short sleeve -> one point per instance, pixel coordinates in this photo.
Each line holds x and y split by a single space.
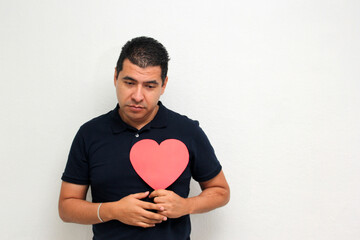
204 163
77 167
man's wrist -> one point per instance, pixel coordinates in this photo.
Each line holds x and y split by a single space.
98 212
189 205
105 212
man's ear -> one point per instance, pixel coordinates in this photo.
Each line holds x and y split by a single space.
164 85
115 76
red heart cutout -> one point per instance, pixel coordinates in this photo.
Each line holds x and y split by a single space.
159 165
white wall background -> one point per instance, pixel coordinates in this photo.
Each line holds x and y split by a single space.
275 84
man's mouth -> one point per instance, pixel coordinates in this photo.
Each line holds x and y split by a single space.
136 108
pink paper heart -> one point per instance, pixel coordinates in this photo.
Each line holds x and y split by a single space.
159 165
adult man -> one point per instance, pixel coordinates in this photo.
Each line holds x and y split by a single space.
124 206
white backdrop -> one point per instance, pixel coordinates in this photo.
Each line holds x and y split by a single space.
274 84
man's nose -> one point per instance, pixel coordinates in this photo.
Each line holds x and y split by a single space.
138 95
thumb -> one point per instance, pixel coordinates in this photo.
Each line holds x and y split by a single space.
140 195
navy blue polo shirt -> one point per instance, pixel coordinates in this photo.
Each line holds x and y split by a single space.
99 157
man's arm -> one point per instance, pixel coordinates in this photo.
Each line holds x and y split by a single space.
215 193
130 210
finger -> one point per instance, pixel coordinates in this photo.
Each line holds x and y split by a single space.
149 221
151 206
166 214
154 221
153 194
140 195
160 200
159 192
157 218
145 225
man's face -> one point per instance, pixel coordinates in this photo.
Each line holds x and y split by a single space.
138 91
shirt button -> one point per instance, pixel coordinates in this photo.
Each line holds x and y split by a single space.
137 135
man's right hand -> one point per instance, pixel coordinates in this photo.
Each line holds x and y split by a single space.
133 211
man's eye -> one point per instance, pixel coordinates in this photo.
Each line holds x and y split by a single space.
150 86
129 83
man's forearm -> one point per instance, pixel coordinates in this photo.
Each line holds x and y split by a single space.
79 211
208 200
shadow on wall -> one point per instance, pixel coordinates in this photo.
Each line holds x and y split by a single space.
205 225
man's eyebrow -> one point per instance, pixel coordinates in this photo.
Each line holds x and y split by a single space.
147 82
128 78
152 82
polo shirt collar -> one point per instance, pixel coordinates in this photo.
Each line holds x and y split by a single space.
118 125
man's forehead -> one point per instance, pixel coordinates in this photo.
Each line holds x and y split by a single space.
131 70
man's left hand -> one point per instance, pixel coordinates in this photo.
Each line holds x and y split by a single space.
174 205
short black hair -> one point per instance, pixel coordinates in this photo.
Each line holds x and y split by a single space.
144 52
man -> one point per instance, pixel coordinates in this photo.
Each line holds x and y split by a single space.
123 205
